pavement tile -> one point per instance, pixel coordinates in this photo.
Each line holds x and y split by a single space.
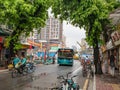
116 87
107 82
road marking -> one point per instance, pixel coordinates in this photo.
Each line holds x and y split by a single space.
94 83
75 71
86 83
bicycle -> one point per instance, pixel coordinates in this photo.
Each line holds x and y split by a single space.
68 84
65 81
57 88
72 85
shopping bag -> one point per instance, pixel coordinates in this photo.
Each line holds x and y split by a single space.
18 65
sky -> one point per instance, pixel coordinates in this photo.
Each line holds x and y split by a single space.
73 34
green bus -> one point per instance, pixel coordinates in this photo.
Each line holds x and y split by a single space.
65 56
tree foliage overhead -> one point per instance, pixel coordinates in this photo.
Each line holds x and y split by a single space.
23 15
92 15
87 14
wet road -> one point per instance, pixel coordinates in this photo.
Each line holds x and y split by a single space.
44 78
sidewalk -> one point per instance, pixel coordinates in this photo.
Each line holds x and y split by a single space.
2 69
107 82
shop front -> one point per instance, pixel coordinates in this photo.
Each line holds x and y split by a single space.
3 57
109 50
1 50
116 40
110 47
104 58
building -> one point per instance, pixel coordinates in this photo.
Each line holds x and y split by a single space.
49 38
112 41
52 33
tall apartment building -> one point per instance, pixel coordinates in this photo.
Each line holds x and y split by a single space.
52 32
51 36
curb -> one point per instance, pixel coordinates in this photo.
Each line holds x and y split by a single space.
85 87
5 70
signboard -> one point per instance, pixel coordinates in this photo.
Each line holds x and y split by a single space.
1 39
116 37
53 45
109 44
54 48
34 43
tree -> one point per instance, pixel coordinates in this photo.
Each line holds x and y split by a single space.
22 16
88 14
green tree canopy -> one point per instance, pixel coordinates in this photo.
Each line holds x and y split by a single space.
87 14
92 15
23 16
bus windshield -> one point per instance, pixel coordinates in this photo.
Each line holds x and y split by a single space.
65 53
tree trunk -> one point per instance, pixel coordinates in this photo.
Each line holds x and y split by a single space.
13 41
12 49
97 62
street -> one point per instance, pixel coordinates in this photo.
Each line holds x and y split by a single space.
44 78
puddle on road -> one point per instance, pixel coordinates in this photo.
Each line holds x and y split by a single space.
32 82
35 87
22 81
45 85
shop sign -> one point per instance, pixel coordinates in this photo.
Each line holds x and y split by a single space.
54 48
109 45
116 37
54 45
34 43
117 42
1 39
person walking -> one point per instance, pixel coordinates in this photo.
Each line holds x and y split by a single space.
105 64
112 65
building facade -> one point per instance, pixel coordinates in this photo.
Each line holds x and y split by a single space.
112 45
52 33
